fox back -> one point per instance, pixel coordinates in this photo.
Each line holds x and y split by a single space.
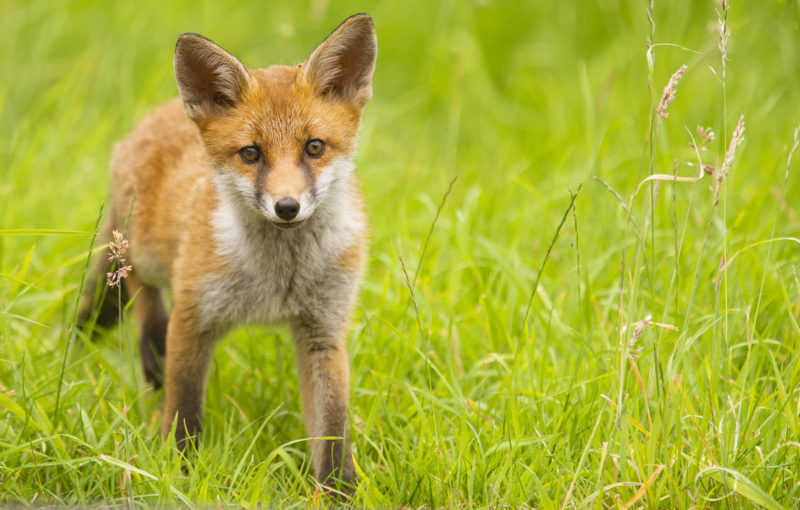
241 197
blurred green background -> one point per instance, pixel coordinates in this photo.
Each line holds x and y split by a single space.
516 98
521 101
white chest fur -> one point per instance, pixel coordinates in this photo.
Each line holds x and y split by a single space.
275 274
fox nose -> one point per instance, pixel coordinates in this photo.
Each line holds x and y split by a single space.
287 208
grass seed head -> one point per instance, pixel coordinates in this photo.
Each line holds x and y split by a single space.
736 141
117 248
724 34
668 96
706 134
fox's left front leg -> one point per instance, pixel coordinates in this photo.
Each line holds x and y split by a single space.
325 386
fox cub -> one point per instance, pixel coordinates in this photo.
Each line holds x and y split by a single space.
241 198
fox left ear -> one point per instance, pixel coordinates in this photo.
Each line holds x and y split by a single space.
341 67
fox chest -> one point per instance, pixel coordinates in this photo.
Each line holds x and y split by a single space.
271 275
271 287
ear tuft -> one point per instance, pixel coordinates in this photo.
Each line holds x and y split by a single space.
341 67
209 78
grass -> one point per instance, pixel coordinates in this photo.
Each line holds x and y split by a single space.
656 364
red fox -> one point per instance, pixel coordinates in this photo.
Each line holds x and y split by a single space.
241 198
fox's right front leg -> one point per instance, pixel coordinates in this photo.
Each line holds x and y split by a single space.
188 358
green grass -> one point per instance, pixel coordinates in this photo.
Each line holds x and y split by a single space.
458 399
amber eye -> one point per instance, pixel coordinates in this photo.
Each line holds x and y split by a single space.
249 154
315 147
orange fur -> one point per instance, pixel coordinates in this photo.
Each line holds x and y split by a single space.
207 222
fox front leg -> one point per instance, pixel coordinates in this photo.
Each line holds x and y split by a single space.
188 359
325 386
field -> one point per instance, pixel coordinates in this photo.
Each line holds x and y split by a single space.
540 324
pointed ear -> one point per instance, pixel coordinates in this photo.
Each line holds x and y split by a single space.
209 78
341 67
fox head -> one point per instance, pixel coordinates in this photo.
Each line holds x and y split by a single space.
280 139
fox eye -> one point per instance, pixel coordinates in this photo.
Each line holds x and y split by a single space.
315 147
249 154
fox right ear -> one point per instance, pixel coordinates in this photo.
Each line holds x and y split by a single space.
209 78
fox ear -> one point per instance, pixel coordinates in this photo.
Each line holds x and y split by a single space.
209 78
341 67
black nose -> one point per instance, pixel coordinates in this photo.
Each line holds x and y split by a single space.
287 208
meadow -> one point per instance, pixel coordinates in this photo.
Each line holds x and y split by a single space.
542 323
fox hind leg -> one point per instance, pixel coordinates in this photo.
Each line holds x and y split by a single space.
152 319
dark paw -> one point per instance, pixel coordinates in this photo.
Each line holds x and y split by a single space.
187 435
337 475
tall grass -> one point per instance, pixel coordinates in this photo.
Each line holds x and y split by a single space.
516 341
